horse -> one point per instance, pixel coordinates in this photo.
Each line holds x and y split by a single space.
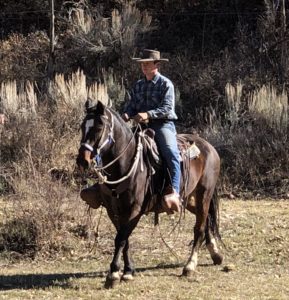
124 186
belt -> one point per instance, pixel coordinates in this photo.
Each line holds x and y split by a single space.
160 121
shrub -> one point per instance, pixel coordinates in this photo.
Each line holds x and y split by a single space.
19 235
24 57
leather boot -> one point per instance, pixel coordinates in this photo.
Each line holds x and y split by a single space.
91 196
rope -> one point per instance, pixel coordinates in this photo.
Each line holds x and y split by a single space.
121 154
103 179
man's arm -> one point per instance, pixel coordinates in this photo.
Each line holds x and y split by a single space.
167 105
129 108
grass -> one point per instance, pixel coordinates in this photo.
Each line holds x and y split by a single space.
256 264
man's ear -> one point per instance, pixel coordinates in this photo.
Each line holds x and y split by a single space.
157 64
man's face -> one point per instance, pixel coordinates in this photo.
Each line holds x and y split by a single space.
149 68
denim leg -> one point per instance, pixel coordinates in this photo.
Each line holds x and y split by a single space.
165 136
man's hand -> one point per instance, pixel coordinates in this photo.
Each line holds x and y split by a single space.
125 117
141 117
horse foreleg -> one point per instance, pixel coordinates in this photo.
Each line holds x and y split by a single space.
121 242
113 276
128 263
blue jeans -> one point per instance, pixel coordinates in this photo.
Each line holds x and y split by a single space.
165 136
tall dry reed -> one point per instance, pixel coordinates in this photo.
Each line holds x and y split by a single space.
267 103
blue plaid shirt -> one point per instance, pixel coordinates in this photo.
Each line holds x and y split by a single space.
156 97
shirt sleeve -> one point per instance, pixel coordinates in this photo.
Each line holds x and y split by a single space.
167 106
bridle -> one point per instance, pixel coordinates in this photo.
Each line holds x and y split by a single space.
109 139
98 168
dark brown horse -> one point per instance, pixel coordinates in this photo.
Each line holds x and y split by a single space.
125 185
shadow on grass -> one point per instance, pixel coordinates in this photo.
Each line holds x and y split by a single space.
40 281
159 267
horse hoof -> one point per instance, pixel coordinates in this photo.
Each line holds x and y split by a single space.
112 279
217 259
127 277
187 272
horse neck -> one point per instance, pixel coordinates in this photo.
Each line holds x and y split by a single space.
124 147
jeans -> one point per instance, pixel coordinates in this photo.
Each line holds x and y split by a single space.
165 136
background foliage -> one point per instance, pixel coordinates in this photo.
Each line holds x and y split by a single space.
229 63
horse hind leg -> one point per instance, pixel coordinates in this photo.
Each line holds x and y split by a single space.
202 201
193 259
212 246
212 230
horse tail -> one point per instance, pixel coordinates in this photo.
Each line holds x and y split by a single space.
214 215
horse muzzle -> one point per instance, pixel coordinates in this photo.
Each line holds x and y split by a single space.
84 160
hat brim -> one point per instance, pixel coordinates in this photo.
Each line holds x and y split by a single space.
148 59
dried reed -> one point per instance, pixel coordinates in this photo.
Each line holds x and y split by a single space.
18 99
270 105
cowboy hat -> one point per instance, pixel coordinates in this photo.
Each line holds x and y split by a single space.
149 55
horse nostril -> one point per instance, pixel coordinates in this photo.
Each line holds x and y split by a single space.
85 164
82 163
84 182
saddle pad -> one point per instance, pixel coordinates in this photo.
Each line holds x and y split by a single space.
193 151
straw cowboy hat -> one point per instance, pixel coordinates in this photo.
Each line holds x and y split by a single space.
149 55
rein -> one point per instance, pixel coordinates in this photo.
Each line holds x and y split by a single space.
120 155
103 179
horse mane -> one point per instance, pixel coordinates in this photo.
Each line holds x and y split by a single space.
119 118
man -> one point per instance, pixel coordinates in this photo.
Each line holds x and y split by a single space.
153 101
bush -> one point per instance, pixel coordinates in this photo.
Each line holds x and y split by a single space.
24 57
19 235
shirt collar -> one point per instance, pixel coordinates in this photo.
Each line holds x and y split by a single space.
155 79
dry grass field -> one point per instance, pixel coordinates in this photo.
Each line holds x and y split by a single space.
256 261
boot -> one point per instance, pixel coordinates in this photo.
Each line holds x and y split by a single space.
91 196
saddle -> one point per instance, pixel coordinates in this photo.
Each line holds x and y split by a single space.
159 184
188 148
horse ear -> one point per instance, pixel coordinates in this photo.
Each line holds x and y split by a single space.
89 104
100 108
93 106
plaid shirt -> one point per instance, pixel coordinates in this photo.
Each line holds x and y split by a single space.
156 97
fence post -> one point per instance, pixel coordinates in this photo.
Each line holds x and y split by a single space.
284 51
50 68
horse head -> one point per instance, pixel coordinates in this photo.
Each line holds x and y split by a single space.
97 134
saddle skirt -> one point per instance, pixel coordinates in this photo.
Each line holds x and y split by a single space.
188 148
